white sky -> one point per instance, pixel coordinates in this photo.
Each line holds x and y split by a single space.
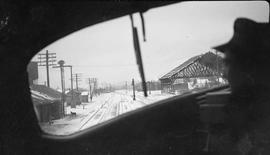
174 33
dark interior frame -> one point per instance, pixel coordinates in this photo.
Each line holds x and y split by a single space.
32 26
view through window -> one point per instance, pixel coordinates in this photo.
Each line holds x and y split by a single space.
91 75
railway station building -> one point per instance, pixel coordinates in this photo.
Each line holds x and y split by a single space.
198 72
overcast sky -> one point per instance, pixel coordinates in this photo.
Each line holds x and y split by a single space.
174 33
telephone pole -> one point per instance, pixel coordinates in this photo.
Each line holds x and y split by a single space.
77 82
95 86
133 85
149 87
92 89
73 104
47 59
61 66
217 67
90 94
126 88
77 77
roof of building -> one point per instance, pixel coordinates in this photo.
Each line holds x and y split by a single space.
206 62
76 92
180 67
85 93
54 94
40 98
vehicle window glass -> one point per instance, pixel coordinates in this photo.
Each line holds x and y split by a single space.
91 76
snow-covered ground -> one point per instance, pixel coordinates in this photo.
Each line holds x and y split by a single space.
103 107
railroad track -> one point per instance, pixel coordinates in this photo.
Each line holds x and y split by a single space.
113 109
94 114
108 112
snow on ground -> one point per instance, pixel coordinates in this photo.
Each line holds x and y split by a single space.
103 107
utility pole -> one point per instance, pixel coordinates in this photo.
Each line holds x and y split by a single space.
110 87
92 89
90 94
126 88
77 77
61 66
149 85
47 59
73 104
77 82
217 67
133 85
95 86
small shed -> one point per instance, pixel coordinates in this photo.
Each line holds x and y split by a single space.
85 96
76 97
47 102
47 108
